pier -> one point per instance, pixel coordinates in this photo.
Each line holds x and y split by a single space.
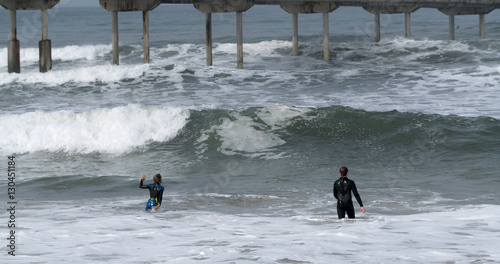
13 45
451 8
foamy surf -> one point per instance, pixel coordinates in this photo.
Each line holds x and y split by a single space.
404 68
119 233
252 136
116 130
29 55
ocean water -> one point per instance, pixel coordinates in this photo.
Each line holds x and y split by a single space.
248 157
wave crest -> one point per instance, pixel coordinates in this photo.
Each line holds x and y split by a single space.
116 131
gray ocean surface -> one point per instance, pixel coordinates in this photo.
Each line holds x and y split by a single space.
248 156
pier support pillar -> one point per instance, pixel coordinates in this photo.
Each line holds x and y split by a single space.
14 62
114 21
224 6
45 46
408 25
239 39
208 32
453 11
295 34
377 27
45 52
311 8
451 25
326 37
115 6
481 26
377 9
145 35
13 47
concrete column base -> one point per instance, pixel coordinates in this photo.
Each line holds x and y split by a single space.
481 27
239 39
45 50
208 33
14 60
408 25
451 26
114 21
326 38
145 35
377 26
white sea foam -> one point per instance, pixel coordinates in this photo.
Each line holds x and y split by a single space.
410 62
103 73
86 52
263 48
116 130
405 70
243 135
246 136
87 66
279 116
68 53
112 232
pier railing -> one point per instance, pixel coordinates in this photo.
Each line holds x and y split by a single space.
294 7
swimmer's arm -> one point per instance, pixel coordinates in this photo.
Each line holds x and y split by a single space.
141 185
358 198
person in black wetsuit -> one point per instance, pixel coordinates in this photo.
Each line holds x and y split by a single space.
342 189
155 192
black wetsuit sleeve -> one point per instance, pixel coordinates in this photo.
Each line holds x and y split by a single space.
356 194
142 186
335 190
160 197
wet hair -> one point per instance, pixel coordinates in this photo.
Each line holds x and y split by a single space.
157 178
343 171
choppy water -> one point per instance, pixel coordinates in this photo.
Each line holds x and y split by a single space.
249 156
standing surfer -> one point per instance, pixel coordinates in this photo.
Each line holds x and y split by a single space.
155 192
342 189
